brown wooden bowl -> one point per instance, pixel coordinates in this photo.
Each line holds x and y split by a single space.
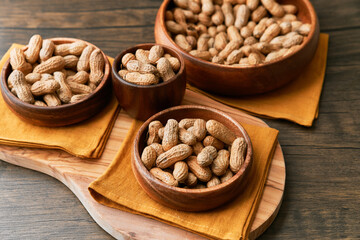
141 102
64 114
246 80
190 199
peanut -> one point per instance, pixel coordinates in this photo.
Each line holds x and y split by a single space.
148 157
74 48
289 8
211 141
213 182
186 137
52 100
78 88
199 129
175 154
207 7
182 42
231 46
78 97
47 50
218 17
165 177
191 180
34 46
18 62
51 65
234 56
71 61
258 14
242 16
238 149
64 92
158 148
97 64
31 78
273 7
252 4
226 176
156 52
181 171
137 66
17 80
272 31
197 147
44 87
234 35
126 58
221 163
84 59
81 77
164 68
206 156
202 173
174 27
220 41
40 103
228 14
219 131
154 127
171 132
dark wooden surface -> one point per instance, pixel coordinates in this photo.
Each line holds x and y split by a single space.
322 194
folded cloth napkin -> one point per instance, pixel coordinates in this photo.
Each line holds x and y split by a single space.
297 101
86 139
118 188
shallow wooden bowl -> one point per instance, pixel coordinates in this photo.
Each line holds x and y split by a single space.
190 199
64 114
246 80
141 102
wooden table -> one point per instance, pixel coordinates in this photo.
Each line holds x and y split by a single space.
322 196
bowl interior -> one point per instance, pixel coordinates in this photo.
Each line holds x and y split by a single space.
181 112
306 14
7 69
147 46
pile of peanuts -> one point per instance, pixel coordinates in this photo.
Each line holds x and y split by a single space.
50 75
236 32
148 67
193 153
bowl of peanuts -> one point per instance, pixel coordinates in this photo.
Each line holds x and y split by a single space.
192 158
240 47
148 78
56 82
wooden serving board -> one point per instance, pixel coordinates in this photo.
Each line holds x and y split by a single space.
78 173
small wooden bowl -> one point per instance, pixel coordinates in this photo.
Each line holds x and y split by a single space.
246 80
64 114
141 102
190 199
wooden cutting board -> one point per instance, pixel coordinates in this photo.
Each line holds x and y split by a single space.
78 173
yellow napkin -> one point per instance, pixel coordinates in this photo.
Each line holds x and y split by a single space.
86 139
118 188
297 101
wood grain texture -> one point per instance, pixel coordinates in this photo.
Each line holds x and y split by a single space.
77 174
322 194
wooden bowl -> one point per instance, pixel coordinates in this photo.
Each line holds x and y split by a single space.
141 102
190 199
246 80
59 115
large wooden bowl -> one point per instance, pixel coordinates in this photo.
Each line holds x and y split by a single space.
141 102
246 80
64 114
190 199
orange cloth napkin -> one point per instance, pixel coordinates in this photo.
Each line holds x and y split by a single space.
297 101
118 188
86 139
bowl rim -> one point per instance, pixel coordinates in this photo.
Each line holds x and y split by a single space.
313 22
5 87
117 62
245 166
